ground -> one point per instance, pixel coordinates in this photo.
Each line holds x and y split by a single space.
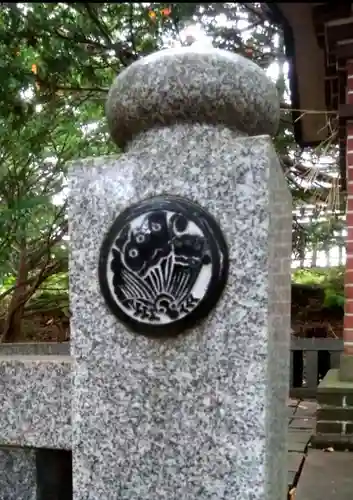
314 474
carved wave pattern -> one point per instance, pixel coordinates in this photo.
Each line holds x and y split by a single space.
160 267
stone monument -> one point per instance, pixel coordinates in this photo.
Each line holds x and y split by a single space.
180 288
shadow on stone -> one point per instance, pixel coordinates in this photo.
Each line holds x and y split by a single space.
54 474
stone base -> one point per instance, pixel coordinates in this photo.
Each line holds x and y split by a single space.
346 368
29 474
334 421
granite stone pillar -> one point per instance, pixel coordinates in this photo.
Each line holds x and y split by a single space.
199 415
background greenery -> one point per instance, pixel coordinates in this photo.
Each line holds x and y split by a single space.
57 62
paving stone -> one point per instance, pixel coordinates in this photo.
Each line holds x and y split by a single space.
299 435
291 478
306 409
302 423
327 476
296 446
294 461
290 411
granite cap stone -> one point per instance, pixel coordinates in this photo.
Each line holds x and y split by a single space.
193 85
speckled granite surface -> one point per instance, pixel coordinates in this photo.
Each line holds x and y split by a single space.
279 312
192 85
197 416
17 474
35 401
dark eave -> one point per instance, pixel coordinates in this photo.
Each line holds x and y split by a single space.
306 60
279 19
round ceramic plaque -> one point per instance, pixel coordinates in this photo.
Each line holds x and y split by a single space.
163 265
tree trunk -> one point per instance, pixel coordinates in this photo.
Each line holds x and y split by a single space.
13 323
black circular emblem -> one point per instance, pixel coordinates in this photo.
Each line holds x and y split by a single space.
163 265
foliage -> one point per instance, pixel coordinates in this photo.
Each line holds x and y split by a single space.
331 280
57 61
